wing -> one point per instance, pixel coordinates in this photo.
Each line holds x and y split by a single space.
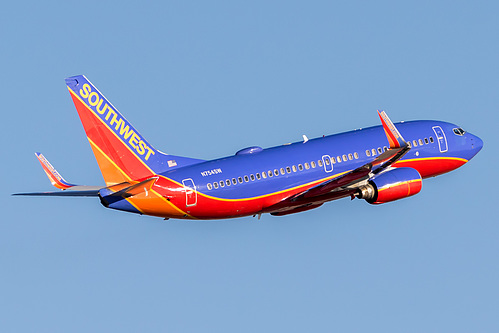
346 184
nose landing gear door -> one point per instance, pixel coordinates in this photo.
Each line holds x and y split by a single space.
191 195
442 140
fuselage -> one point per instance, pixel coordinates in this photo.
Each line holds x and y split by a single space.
253 180
378 164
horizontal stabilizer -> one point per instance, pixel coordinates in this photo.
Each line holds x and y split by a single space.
76 191
68 190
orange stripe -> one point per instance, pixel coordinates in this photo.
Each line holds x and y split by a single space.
130 180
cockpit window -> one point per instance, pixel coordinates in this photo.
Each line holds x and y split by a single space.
459 131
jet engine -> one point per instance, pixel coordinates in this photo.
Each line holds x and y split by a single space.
391 185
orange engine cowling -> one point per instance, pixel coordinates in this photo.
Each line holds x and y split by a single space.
391 185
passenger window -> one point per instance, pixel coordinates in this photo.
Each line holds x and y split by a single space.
252 177
270 173
385 148
313 164
234 181
431 139
294 168
344 158
338 158
240 179
307 166
264 175
300 167
282 171
379 150
420 142
333 159
409 144
209 186
276 172
414 142
258 176
222 184
328 162
320 163
426 140
246 179
373 151
227 181
215 185
350 156
368 153
356 155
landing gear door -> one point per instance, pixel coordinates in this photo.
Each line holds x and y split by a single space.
191 195
442 140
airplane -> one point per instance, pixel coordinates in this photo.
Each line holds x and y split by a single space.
375 164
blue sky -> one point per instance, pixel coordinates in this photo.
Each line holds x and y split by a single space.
204 79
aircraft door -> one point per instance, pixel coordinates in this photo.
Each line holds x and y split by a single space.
442 140
191 195
328 164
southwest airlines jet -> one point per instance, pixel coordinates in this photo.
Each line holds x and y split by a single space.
378 164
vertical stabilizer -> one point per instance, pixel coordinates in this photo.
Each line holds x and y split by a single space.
121 152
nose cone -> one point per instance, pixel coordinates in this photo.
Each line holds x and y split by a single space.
476 144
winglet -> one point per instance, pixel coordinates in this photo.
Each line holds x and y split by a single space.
392 134
54 176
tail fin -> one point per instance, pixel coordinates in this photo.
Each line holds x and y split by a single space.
121 152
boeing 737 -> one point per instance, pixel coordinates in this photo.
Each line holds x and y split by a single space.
379 164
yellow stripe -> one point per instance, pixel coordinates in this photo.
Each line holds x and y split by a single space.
433 158
315 181
111 161
264 195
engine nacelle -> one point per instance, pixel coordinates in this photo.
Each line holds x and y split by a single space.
391 185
